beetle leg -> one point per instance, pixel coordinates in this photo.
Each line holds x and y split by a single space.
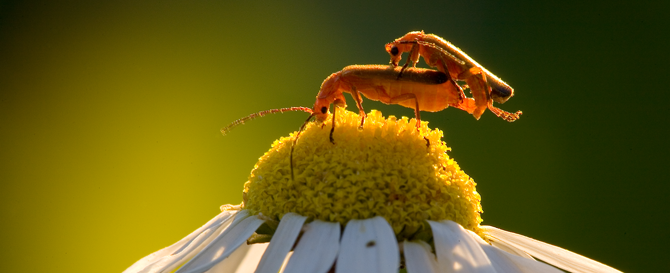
417 113
507 116
479 88
332 129
455 95
455 89
468 105
359 104
461 95
338 102
409 96
412 57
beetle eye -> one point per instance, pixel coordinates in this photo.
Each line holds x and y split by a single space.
394 50
324 110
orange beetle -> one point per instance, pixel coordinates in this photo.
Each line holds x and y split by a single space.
418 88
437 52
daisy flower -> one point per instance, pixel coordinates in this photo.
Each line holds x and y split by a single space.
386 198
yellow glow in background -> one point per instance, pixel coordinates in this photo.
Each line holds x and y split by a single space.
110 116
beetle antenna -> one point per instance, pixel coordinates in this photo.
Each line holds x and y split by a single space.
295 141
241 121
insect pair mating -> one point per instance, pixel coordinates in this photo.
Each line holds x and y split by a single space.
416 88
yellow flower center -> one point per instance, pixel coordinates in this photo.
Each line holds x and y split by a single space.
386 169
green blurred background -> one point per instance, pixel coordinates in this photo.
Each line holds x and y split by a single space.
110 116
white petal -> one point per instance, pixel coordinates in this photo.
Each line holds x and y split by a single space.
511 249
183 249
419 258
283 265
243 260
551 254
221 247
281 243
505 262
317 248
456 250
368 246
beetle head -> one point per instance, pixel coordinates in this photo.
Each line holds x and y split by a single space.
321 107
402 44
330 93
